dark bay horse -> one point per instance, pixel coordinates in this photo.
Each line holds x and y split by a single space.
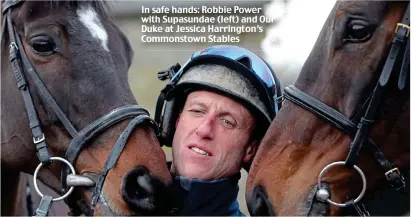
344 130
65 99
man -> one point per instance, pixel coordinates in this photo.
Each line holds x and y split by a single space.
218 107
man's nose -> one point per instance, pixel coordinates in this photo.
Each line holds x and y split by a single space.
205 129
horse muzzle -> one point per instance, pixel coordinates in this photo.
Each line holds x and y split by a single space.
258 202
145 194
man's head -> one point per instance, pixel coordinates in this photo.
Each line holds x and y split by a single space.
213 136
219 105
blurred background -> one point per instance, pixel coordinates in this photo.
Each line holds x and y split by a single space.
149 58
284 44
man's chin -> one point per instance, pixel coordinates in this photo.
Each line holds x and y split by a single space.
195 173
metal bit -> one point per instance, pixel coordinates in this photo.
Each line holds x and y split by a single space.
79 181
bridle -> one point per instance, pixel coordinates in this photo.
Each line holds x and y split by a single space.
22 67
359 130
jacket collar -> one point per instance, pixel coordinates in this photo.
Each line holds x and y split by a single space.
197 197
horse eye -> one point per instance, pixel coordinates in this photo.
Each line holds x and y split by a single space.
357 31
43 45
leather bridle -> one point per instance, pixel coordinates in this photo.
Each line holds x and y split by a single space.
359 130
22 67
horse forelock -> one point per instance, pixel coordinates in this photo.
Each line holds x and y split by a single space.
100 6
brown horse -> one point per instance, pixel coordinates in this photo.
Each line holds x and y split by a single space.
65 93
350 105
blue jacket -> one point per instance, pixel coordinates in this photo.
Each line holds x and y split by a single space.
194 197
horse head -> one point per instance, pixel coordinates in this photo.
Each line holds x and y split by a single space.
71 61
348 113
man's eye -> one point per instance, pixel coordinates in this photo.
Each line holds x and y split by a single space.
227 123
196 111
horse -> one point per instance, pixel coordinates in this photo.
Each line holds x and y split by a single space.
340 143
68 116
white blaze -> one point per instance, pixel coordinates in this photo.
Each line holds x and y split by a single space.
91 21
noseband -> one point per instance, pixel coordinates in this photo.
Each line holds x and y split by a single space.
21 67
359 130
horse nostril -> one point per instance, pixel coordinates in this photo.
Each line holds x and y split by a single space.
259 204
142 193
144 186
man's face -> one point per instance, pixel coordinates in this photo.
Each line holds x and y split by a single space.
212 137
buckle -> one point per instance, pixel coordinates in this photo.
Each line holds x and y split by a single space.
163 75
389 172
168 73
402 25
39 139
168 91
13 45
280 99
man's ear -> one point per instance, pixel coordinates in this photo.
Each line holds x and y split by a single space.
251 150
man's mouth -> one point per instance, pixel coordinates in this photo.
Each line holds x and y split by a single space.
200 151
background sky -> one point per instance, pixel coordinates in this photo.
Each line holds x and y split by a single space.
288 43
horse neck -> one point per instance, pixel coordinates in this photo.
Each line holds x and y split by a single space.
13 195
392 135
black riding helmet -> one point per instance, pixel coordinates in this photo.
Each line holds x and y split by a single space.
256 86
